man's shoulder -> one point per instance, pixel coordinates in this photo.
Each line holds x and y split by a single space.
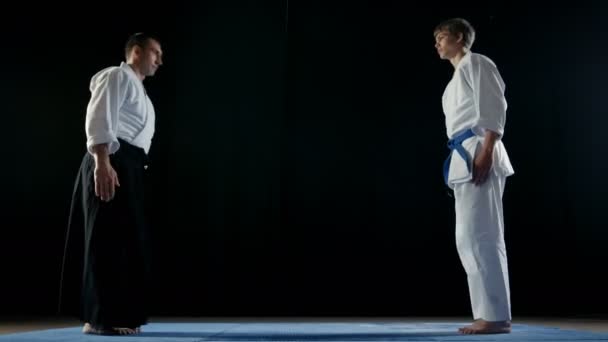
113 72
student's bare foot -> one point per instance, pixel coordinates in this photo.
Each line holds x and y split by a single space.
481 326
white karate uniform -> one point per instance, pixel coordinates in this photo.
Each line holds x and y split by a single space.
119 108
474 99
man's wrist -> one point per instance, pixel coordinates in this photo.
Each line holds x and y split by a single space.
101 154
102 161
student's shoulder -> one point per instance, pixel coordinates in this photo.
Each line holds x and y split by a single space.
482 60
465 66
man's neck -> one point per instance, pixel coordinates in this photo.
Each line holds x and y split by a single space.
457 57
136 71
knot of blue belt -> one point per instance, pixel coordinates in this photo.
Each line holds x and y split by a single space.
456 144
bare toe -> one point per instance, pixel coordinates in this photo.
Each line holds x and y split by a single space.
126 331
466 330
485 327
89 329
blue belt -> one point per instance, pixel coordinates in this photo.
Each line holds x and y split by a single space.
456 144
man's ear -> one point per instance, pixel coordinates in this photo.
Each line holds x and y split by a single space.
136 51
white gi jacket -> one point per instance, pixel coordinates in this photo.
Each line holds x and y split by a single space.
474 99
119 108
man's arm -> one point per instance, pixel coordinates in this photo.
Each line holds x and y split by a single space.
106 178
108 91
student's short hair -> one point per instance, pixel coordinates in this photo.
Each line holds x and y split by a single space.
455 26
138 39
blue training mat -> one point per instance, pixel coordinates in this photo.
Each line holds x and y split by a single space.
334 332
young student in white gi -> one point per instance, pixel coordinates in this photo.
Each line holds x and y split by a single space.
476 169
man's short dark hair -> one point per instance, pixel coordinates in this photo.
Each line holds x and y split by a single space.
138 39
455 26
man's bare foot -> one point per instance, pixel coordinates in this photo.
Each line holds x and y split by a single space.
481 326
89 329
126 331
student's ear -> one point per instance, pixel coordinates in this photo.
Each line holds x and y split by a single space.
460 38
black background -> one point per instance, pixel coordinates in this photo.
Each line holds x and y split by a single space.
296 166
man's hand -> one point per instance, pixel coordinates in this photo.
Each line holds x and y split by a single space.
106 178
484 159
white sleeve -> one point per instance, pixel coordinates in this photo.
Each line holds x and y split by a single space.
490 101
108 91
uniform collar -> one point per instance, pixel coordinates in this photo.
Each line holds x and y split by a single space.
129 70
465 58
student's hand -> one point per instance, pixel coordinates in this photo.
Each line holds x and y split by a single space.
481 166
483 161
106 180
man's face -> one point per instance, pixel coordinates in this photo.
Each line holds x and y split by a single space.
150 58
447 45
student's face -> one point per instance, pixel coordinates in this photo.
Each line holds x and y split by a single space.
150 58
447 45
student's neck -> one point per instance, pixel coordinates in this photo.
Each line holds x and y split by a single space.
457 57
